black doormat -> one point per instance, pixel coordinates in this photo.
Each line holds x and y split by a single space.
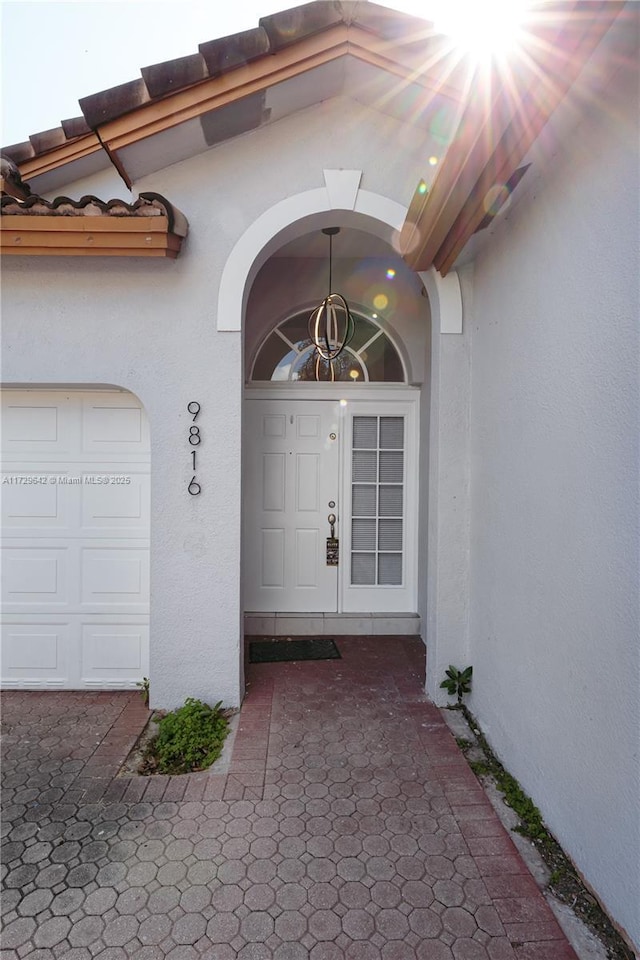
278 651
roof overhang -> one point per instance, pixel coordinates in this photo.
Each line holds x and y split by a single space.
501 120
485 123
407 70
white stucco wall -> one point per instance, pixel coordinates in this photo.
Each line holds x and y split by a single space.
554 498
150 327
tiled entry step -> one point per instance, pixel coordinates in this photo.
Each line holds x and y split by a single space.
331 624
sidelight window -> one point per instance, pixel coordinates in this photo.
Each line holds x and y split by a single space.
377 501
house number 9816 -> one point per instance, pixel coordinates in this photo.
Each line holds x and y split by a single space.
195 439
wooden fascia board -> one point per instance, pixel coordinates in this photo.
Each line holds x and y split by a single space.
431 215
25 235
66 153
535 110
167 252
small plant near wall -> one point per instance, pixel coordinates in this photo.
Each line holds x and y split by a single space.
143 686
457 682
189 738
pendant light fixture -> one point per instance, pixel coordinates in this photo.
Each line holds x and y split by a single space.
331 325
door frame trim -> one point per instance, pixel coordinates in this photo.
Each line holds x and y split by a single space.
303 390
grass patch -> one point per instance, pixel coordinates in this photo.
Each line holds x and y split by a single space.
564 881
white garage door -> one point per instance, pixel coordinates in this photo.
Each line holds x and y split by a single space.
75 549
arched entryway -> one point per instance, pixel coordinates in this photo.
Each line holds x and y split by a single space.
442 483
347 449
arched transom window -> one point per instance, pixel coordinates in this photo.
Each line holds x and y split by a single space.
288 354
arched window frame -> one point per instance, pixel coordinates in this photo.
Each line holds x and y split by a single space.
290 346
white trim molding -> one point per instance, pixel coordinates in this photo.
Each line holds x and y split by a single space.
445 299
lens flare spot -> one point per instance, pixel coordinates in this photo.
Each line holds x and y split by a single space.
433 161
380 301
496 199
422 187
343 403
390 273
354 374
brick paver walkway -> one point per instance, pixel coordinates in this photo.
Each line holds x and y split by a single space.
347 826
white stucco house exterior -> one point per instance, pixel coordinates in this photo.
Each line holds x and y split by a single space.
478 446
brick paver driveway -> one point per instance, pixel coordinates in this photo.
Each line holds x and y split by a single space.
347 826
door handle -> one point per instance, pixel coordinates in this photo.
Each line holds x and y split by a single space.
332 523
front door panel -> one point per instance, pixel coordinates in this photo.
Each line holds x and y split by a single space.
291 475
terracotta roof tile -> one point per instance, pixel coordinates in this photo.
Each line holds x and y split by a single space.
112 103
237 50
163 78
47 139
76 127
386 23
19 152
291 26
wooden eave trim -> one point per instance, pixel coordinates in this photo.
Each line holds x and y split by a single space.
440 223
24 235
67 153
161 115
431 215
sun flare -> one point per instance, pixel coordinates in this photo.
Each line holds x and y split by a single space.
480 29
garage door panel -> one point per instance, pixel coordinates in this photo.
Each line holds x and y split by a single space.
114 654
41 423
113 425
37 654
35 577
76 517
40 506
115 579
114 508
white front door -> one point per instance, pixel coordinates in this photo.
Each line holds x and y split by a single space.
307 459
291 479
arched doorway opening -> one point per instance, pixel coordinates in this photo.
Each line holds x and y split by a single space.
348 449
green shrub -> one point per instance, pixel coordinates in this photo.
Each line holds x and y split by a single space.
190 738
